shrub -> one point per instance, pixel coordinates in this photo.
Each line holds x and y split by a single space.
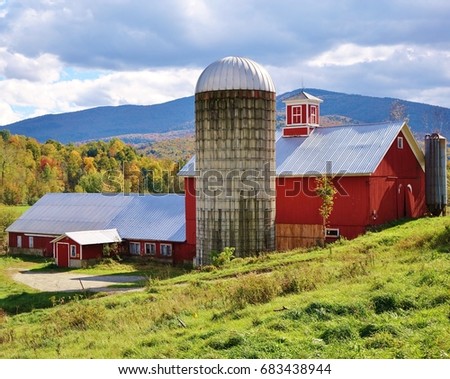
254 289
224 257
77 317
297 280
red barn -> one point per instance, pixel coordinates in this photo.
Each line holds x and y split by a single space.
377 170
73 228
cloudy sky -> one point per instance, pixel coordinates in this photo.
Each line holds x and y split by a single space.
65 55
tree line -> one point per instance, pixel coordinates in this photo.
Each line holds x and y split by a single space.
29 169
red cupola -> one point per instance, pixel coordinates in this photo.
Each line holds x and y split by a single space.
302 115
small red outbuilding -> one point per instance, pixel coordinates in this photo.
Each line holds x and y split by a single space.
79 249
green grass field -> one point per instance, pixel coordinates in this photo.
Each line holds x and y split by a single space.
383 295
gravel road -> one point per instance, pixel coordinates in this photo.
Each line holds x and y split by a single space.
66 281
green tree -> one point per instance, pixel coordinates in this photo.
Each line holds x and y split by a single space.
326 191
91 183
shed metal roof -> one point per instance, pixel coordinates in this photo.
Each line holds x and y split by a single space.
336 150
92 237
146 217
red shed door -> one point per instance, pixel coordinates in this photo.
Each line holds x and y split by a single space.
62 254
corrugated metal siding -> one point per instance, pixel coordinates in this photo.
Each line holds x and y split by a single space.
156 217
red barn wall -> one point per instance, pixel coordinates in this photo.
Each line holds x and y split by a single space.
297 203
404 179
181 252
42 243
191 216
92 251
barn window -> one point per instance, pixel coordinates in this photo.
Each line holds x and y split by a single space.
296 114
166 250
150 248
73 251
400 142
31 242
332 232
313 115
19 241
135 248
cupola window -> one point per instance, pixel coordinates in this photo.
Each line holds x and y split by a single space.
313 115
297 114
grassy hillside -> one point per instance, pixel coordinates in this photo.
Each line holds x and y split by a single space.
383 295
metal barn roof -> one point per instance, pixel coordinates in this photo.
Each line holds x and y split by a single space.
92 237
234 73
149 217
303 96
347 150
351 150
153 217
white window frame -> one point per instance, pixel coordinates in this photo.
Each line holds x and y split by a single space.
31 242
152 248
400 142
73 251
133 251
313 114
19 241
332 232
296 115
162 249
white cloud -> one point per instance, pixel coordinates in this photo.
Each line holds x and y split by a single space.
44 68
7 114
116 88
62 55
349 54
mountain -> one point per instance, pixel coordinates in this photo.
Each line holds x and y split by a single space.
178 115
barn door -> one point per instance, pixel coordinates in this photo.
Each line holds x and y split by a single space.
62 254
404 200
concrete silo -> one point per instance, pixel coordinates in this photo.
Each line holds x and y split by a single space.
235 158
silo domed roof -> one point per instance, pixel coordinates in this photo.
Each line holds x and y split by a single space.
234 73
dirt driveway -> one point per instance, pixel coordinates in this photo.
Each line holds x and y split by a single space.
66 281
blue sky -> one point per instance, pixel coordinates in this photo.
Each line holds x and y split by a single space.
64 55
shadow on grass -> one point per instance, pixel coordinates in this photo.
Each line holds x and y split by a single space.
390 224
26 302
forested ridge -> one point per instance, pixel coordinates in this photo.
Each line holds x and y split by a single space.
29 169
